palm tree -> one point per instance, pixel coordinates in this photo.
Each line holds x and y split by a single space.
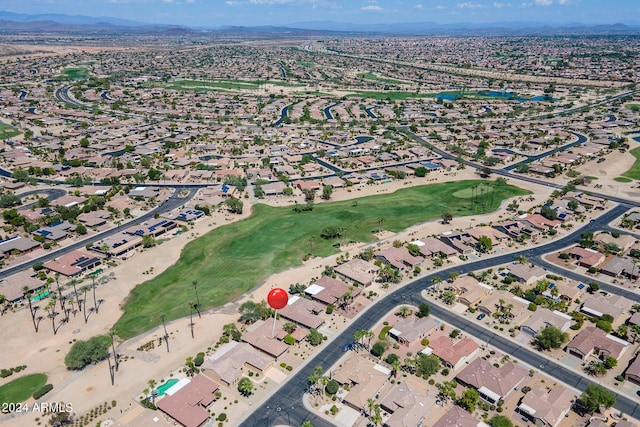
371 404
195 289
595 368
404 311
51 313
345 299
71 301
358 336
57 277
396 365
84 289
381 220
448 297
93 286
311 240
152 385
190 364
191 306
522 259
112 333
635 329
376 418
369 335
516 290
26 291
314 380
75 291
446 391
166 335
245 386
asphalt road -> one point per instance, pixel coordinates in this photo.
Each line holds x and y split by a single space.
173 202
50 193
507 174
62 95
285 406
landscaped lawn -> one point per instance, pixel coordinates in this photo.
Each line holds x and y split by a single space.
7 131
634 172
622 179
74 73
392 95
371 76
21 388
222 85
232 259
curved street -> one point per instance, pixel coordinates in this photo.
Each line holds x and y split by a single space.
172 202
285 406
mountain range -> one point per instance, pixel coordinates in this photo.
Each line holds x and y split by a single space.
60 23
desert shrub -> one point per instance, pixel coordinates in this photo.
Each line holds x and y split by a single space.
42 391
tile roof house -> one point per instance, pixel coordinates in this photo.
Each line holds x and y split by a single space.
453 353
469 290
261 338
398 258
623 241
586 257
73 263
412 329
18 244
525 273
461 242
274 188
117 244
494 234
188 405
539 222
364 377
592 340
329 290
515 229
434 248
632 373
546 408
11 286
408 403
492 383
458 417
544 317
229 361
358 270
54 232
505 301
615 266
303 311
598 305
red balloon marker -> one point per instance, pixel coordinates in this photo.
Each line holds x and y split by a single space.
277 298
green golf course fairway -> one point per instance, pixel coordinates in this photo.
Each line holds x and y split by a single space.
232 259
634 172
21 388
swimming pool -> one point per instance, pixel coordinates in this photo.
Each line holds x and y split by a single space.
161 389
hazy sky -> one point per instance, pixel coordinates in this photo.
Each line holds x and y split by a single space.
213 13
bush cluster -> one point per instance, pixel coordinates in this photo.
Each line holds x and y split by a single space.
83 353
42 391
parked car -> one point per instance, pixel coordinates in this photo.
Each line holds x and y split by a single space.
481 316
